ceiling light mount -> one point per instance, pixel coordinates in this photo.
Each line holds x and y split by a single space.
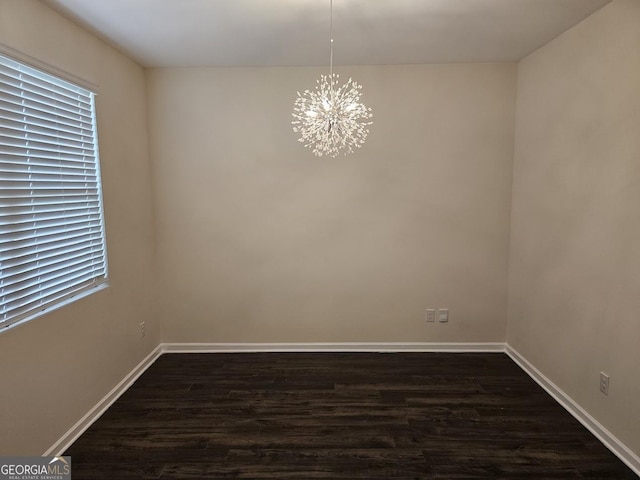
331 119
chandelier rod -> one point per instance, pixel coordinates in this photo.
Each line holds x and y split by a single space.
331 38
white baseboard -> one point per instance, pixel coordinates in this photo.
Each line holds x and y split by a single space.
329 347
605 436
94 414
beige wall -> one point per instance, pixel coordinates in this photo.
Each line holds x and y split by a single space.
56 367
575 251
260 241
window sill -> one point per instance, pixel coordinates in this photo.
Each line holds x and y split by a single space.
75 297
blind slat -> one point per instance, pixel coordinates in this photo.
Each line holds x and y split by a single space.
22 91
30 178
51 121
19 137
13 68
14 155
53 222
32 107
46 220
18 91
49 289
36 209
49 197
9 173
13 119
75 243
18 315
52 84
15 242
43 189
52 242
21 128
44 275
29 146
23 84
18 203
10 164
30 268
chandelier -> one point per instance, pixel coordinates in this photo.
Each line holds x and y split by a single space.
330 119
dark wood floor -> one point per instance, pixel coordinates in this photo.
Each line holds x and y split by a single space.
339 416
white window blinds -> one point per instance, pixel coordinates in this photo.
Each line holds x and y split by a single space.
52 243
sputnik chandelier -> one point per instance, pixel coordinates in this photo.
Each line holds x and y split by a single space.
330 119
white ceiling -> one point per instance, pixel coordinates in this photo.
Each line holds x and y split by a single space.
295 32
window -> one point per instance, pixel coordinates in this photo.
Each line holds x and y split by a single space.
52 243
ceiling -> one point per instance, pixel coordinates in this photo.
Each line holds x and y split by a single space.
175 33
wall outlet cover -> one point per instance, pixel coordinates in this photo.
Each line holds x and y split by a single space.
604 383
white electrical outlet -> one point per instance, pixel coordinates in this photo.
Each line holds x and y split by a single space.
443 315
431 314
142 332
604 383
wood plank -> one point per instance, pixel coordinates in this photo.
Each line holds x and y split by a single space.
339 416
